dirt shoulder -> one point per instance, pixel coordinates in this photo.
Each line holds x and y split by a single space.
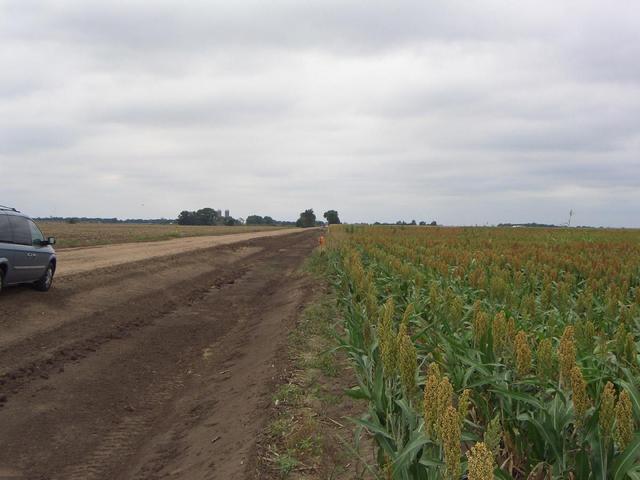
310 433
76 260
147 369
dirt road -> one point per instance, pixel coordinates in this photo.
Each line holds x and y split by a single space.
76 260
149 369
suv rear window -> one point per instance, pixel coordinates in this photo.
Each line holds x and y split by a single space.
21 230
5 229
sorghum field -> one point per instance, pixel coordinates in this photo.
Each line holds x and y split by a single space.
494 353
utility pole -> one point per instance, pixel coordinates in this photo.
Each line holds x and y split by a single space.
571 212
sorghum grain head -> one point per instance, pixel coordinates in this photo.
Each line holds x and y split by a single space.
480 462
493 435
463 404
430 401
523 354
624 421
386 338
581 400
444 399
407 360
544 359
567 353
607 410
499 333
451 439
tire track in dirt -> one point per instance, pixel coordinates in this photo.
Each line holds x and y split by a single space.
50 350
120 441
212 429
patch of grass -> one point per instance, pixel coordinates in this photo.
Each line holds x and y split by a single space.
326 363
317 265
296 439
308 445
286 463
329 398
320 319
288 393
281 427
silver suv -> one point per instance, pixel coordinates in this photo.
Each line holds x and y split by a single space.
25 255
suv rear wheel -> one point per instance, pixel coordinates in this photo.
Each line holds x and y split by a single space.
1 279
44 284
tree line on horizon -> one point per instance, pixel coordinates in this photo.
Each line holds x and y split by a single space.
412 222
308 218
206 216
210 216
303 220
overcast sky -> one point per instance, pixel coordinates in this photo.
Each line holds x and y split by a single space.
466 112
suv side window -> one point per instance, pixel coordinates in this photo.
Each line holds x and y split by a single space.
36 235
5 229
21 230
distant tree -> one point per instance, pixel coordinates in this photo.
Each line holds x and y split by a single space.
332 217
413 222
266 220
433 224
207 216
186 218
255 220
204 216
307 219
423 223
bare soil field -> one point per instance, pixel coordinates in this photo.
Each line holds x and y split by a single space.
89 234
149 369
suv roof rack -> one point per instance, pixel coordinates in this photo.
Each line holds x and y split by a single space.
10 209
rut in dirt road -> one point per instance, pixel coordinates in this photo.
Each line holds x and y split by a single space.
149 368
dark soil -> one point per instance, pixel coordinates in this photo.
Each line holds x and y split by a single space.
160 368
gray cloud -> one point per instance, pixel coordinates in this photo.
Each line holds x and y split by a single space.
333 24
23 139
466 112
168 112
